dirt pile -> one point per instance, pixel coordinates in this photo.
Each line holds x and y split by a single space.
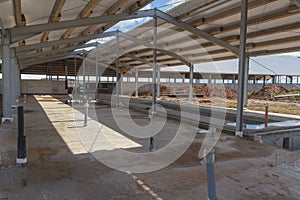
268 92
163 90
207 91
212 91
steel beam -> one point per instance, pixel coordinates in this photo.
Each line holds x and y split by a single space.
242 68
31 47
57 52
146 44
19 33
47 59
197 32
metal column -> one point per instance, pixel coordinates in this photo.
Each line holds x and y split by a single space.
209 78
211 179
158 82
14 78
245 104
191 82
136 82
6 75
97 65
154 70
121 83
117 69
242 68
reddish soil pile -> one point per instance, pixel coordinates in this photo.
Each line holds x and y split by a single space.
163 90
212 91
207 91
268 92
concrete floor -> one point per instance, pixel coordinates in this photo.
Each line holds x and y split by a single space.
60 167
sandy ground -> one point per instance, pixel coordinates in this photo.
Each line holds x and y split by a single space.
59 167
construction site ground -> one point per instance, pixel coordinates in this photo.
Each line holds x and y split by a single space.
60 167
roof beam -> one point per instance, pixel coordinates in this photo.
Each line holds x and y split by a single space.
37 55
28 31
20 19
197 32
170 53
20 50
116 7
44 60
84 13
54 16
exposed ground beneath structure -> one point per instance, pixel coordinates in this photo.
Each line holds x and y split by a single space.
59 166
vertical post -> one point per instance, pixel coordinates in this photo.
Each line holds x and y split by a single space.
266 115
158 82
21 155
183 78
83 73
136 82
245 103
97 74
97 65
6 76
75 74
191 82
209 78
66 75
154 70
86 111
264 83
14 78
211 180
242 68
233 79
121 83
117 69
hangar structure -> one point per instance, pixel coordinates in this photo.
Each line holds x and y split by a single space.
34 33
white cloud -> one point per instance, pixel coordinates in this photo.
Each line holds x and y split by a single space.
174 3
147 7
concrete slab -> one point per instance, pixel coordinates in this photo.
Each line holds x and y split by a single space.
59 166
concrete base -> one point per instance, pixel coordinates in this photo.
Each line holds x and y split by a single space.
21 160
239 133
4 119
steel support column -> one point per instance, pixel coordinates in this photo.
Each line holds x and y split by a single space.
121 83
117 69
245 104
136 82
158 82
242 68
154 71
14 78
6 76
191 83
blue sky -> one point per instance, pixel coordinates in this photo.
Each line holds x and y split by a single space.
163 5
